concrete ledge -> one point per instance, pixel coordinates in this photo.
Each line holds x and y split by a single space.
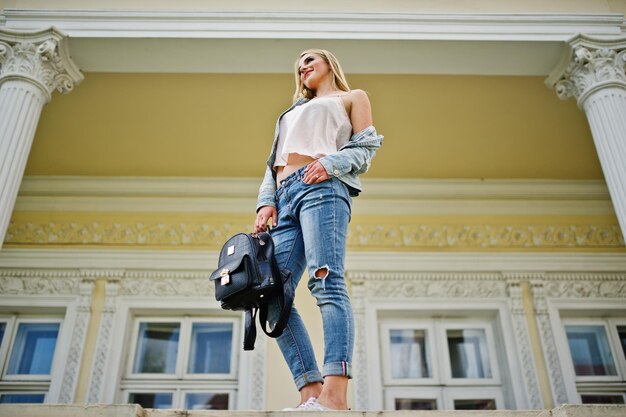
128 410
66 410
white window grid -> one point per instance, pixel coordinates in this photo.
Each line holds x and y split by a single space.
184 343
6 350
444 396
612 337
614 340
429 330
621 394
491 353
13 392
437 341
178 394
472 393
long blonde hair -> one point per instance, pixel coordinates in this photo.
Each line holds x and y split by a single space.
338 78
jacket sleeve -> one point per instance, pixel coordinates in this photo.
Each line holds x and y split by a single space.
267 191
355 156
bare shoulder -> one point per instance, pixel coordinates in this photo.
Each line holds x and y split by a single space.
358 96
360 110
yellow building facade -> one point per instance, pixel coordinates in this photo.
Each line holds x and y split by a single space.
486 260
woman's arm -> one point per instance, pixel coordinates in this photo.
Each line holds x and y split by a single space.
266 203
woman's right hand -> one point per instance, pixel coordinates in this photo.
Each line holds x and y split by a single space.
264 215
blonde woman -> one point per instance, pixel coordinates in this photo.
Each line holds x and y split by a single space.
321 145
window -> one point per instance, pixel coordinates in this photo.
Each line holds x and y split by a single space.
440 364
27 349
186 362
597 350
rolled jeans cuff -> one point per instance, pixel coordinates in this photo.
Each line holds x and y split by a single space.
337 369
308 378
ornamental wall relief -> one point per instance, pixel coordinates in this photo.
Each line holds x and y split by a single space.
23 231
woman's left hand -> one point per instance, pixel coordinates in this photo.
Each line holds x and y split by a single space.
314 173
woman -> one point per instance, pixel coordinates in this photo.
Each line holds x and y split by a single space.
321 144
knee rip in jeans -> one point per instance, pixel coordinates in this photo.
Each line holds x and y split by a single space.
321 272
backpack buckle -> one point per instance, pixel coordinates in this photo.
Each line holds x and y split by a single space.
225 274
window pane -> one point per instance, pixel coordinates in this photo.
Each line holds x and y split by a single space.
602 399
489 404
415 404
151 400
408 354
33 349
3 326
211 345
590 350
469 357
206 401
157 347
621 330
22 398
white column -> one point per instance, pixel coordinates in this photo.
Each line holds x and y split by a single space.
592 70
32 66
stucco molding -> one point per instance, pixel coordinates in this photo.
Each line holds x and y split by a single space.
523 343
360 373
320 25
104 341
77 343
40 57
212 234
165 285
64 261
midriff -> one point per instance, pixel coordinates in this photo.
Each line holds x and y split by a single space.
294 163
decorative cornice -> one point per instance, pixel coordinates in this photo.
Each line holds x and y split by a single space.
46 261
319 24
104 232
41 58
587 65
381 196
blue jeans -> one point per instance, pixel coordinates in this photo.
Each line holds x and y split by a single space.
311 233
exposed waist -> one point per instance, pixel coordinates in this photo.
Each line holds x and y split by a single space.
283 172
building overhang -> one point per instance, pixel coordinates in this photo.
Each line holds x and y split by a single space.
366 42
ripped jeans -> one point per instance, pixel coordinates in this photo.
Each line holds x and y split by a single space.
311 233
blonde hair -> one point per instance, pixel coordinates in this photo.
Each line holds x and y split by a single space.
338 78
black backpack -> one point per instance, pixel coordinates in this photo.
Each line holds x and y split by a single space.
248 278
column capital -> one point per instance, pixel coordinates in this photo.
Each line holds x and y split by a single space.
41 58
587 65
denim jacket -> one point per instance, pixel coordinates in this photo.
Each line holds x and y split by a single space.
346 164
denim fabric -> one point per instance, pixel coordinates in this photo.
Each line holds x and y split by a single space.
346 164
311 233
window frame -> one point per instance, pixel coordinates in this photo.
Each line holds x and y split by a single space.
610 340
603 392
385 327
184 347
11 345
470 393
231 396
13 392
179 393
469 324
419 393
614 339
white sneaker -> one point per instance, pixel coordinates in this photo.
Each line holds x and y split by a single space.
310 405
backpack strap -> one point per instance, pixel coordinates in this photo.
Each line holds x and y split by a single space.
250 331
285 293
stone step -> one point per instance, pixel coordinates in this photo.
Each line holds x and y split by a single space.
127 410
